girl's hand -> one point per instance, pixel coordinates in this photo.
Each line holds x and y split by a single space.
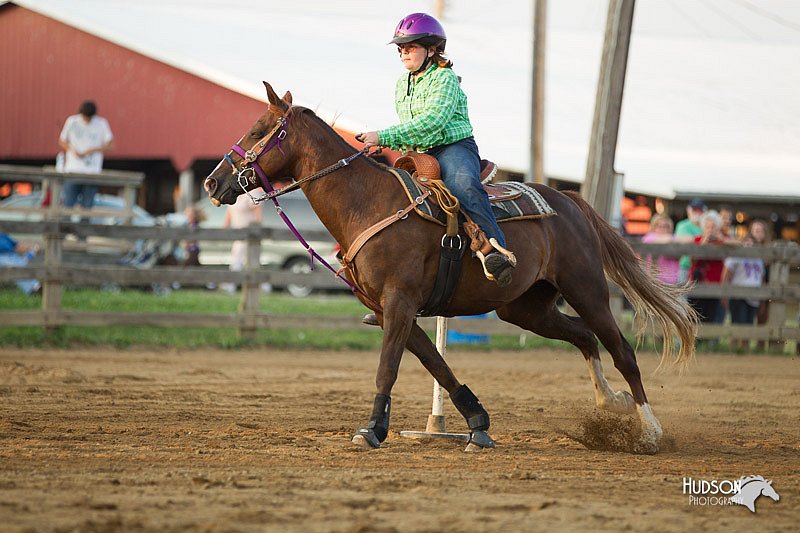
369 138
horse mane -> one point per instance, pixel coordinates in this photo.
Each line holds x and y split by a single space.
306 112
745 480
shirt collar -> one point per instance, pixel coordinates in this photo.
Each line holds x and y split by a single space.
427 71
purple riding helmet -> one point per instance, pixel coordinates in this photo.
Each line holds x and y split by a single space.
420 28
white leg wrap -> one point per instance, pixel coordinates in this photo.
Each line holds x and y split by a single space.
651 429
620 402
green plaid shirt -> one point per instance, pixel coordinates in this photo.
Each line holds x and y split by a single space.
432 109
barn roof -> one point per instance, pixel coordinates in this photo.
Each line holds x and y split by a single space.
709 100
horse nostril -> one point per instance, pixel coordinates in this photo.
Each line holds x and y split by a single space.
210 185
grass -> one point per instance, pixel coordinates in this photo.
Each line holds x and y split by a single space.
203 301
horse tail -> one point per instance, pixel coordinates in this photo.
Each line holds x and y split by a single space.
653 301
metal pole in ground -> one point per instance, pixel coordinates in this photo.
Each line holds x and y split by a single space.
436 428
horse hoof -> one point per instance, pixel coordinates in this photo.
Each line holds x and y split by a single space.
366 439
479 441
645 448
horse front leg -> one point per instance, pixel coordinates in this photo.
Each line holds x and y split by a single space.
462 397
398 318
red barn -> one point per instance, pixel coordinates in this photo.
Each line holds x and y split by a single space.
165 120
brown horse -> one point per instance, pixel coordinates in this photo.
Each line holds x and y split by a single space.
569 255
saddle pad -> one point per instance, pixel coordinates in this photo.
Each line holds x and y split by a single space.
519 200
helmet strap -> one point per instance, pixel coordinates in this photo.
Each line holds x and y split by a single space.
425 65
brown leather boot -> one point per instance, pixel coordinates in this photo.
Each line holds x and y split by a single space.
500 267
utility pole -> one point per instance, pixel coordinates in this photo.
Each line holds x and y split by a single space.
439 9
602 185
536 173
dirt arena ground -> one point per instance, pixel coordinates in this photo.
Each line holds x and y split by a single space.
106 440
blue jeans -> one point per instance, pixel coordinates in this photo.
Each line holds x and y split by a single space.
73 190
742 312
461 170
28 286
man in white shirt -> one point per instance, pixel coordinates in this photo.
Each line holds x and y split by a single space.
84 138
241 214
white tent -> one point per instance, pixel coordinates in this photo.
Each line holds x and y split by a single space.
710 99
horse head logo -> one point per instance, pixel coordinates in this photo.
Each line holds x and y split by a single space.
751 488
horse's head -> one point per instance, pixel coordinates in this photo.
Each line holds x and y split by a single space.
768 491
257 157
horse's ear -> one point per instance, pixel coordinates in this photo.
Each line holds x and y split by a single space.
287 98
272 96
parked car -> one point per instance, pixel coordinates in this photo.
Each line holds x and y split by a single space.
101 201
95 250
287 254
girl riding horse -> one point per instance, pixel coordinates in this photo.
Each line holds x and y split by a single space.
433 119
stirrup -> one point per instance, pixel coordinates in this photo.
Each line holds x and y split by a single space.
370 319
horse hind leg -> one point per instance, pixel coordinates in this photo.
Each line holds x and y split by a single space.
620 402
600 320
551 323
625 361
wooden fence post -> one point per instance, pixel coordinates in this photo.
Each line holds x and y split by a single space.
776 318
248 306
52 285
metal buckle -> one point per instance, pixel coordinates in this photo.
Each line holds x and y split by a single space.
282 135
250 156
445 236
401 217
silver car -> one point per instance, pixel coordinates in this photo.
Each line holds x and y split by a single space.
287 254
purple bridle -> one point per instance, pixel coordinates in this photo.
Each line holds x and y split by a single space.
250 158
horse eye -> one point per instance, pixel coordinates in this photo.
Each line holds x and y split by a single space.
257 134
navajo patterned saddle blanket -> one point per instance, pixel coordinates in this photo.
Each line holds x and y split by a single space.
510 200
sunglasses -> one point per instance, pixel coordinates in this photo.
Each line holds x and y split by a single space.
407 48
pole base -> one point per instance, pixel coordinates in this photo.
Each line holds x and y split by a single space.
435 424
463 437
435 429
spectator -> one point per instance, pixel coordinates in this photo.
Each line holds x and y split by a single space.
686 230
84 138
193 219
707 270
761 237
728 234
661 233
743 272
726 216
637 217
16 254
241 214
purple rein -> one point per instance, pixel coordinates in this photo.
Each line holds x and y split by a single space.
250 161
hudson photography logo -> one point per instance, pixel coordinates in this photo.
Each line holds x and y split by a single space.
743 491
